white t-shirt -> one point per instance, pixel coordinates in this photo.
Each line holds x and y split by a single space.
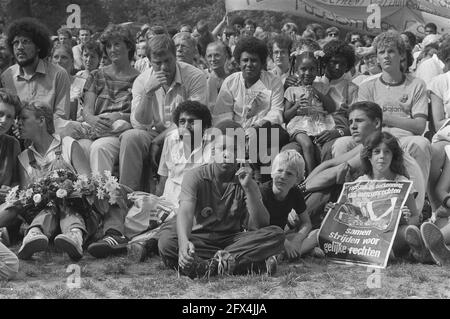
440 86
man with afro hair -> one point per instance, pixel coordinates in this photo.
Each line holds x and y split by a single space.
33 78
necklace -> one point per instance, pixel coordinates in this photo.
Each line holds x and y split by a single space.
389 84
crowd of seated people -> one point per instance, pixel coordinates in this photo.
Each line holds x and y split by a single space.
249 133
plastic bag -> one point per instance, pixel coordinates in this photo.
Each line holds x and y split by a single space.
148 212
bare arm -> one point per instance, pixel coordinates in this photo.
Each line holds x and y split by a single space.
437 110
415 126
415 215
185 219
290 110
258 214
334 162
305 228
219 27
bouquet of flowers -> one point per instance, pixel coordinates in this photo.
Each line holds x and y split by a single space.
64 188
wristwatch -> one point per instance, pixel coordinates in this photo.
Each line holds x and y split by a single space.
341 132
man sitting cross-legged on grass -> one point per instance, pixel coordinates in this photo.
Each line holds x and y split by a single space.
217 200
285 201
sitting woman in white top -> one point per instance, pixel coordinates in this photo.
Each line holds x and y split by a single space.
253 97
49 152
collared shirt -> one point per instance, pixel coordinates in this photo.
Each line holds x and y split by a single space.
262 101
174 163
113 93
50 84
214 211
65 145
189 84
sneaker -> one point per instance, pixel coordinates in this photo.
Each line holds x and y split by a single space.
4 236
33 242
271 265
434 241
109 245
139 251
415 242
71 243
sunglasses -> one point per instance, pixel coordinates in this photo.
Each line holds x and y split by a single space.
332 34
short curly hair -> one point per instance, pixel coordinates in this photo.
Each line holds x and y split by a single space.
115 31
251 45
339 48
388 38
33 29
194 108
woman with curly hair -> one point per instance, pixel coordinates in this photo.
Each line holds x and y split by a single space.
253 97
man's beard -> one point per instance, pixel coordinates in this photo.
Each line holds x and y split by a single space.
27 62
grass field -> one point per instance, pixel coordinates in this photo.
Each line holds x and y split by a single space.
116 277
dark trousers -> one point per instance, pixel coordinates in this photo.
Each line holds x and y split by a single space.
246 247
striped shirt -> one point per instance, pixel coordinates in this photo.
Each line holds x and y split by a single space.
113 94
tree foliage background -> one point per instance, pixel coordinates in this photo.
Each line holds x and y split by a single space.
98 13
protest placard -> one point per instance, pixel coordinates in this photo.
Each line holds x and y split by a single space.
361 228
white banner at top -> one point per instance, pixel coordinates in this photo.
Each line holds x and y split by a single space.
401 15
